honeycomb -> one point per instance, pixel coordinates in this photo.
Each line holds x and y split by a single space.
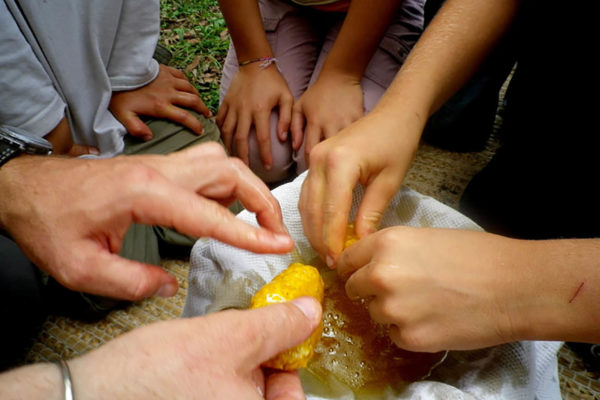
296 281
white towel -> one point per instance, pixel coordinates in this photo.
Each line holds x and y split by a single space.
223 277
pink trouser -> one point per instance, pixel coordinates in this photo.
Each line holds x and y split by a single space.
301 38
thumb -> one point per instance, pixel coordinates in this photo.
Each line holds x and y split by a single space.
279 327
110 275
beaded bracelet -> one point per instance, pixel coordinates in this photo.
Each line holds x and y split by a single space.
264 62
66 375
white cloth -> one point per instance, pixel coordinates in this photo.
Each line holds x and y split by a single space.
69 56
225 277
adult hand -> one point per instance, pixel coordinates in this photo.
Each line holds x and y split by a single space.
213 357
375 151
164 98
325 108
447 289
70 215
253 94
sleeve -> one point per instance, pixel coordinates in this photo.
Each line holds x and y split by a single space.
28 99
131 64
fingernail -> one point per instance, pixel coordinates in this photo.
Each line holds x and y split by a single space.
280 238
309 307
268 167
166 290
330 262
147 138
284 135
93 151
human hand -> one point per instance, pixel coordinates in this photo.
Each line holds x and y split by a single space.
164 98
62 141
70 215
375 151
445 289
253 94
332 103
217 356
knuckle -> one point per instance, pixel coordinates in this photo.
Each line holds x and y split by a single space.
263 139
214 149
336 156
409 338
379 277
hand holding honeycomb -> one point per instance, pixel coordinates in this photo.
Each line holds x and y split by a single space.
296 281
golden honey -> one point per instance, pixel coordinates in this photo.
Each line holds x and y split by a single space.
296 281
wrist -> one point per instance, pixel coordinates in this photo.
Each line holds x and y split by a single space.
343 74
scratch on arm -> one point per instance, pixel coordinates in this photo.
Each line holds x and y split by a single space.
577 292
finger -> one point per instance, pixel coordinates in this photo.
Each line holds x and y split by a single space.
285 117
167 204
106 274
297 128
182 84
173 71
256 197
358 284
135 126
276 328
312 137
340 179
79 150
221 113
310 207
181 116
228 130
284 385
378 194
242 133
230 179
263 137
191 101
356 256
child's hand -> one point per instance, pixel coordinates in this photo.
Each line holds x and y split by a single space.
325 108
252 96
375 151
166 97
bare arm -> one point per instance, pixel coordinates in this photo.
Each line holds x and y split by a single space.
363 28
246 29
451 49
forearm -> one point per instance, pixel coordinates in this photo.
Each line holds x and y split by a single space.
38 381
245 26
363 28
563 278
448 53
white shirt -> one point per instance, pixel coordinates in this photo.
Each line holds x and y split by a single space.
68 56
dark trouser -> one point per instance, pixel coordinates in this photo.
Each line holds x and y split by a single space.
22 309
466 120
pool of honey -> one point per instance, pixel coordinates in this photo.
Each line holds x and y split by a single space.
357 351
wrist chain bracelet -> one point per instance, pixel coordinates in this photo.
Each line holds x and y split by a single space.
264 62
66 375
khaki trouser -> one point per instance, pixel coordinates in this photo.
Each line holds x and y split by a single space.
143 243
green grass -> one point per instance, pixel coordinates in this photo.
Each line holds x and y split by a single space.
195 33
